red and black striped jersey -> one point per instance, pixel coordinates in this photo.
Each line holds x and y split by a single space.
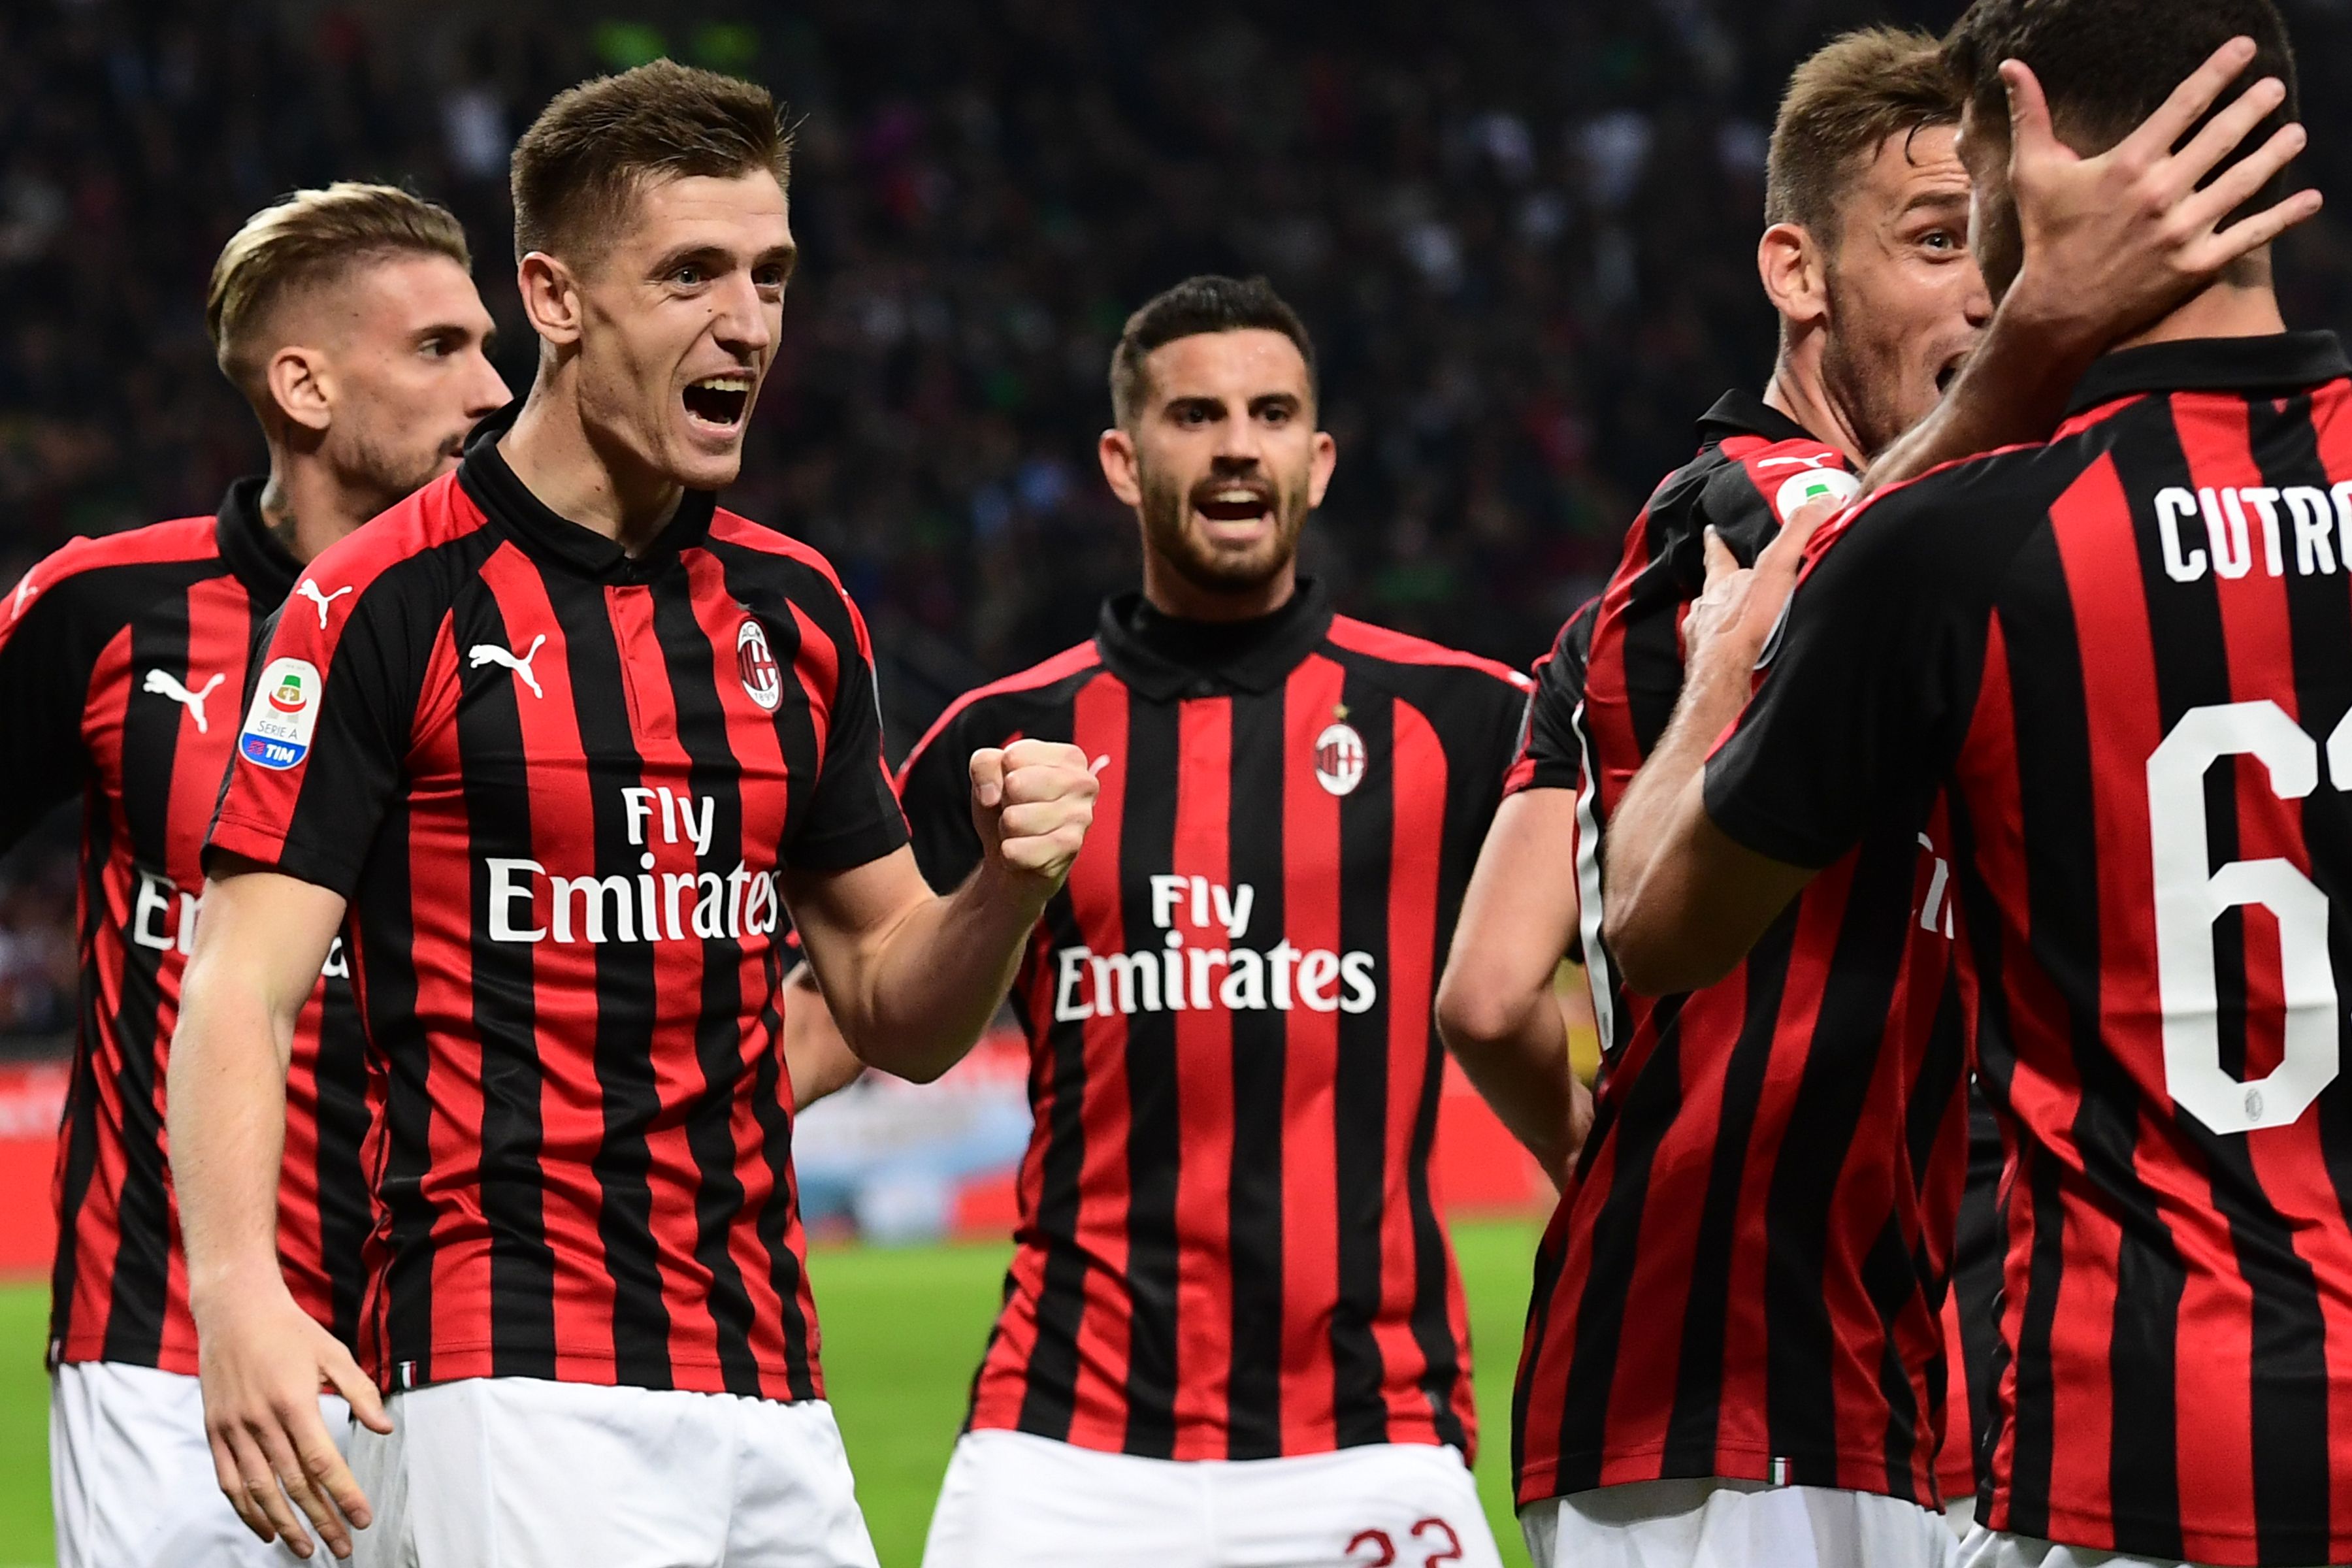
1228 1246
1550 756
1746 1277
1972 1307
558 785
2125 657
121 660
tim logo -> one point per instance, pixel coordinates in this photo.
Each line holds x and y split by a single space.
756 663
285 712
1339 759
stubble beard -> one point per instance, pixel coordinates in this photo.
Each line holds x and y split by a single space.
1165 507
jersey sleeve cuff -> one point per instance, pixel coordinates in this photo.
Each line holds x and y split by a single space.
267 847
1753 826
847 851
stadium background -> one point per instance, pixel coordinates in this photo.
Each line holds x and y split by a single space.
1522 235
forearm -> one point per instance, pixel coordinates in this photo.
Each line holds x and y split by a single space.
225 1094
816 1058
1520 1064
929 986
1650 825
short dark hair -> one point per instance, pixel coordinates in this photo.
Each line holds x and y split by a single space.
1841 104
1197 305
596 145
2107 65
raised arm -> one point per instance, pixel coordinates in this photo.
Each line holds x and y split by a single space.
912 977
2110 243
259 946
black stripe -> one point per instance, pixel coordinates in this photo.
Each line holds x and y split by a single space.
1154 1145
2052 728
1890 1275
772 1109
1825 1124
1697 1416
1359 1090
1260 1063
713 774
494 771
385 967
341 1086
1551 1260
77 1128
150 746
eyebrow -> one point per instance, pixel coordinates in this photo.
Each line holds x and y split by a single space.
785 256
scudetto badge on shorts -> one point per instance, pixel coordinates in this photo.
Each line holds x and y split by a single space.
756 663
285 712
1339 759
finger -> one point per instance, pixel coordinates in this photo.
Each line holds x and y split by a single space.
359 1390
1055 783
1029 754
321 1460
2030 135
2253 232
290 1495
2221 134
1039 820
988 776
1785 551
231 1476
1720 562
323 1487
257 1494
2191 99
2242 181
1044 855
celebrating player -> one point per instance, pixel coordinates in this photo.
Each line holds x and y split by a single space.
348 317
566 740
1231 1330
2124 657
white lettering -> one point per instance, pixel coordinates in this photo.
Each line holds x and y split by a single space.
2264 501
1316 970
1068 1008
1172 966
596 894
1204 959
1244 988
2314 547
639 804
503 892
673 884
1200 903
2233 555
147 911
1166 891
1138 976
2342 496
1356 969
1233 911
698 827
1283 956
2175 506
710 906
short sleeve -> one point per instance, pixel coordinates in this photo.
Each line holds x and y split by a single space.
48 650
1864 691
853 816
1550 755
935 787
328 719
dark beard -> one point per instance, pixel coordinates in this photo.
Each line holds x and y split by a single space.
1163 512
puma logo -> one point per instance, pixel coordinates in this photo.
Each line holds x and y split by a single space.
26 589
163 683
1819 459
483 653
307 589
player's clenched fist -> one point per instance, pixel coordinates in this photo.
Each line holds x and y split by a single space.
1032 802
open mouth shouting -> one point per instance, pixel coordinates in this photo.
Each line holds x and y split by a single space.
717 403
1235 508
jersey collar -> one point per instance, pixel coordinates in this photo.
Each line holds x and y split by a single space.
549 536
252 552
1162 658
2276 361
1741 413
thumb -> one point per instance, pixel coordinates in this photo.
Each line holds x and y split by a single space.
358 1390
1786 551
1720 562
2030 135
987 776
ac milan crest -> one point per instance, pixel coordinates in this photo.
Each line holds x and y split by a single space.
1339 759
756 665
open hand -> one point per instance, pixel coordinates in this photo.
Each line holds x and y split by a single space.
1733 618
1032 802
2115 241
262 1361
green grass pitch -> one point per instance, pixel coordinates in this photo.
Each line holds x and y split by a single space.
903 1329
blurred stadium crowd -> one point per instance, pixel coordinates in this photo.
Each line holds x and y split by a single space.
1522 233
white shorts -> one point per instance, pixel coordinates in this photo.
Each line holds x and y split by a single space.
515 1472
1990 1549
1716 1523
131 1483
1014 1501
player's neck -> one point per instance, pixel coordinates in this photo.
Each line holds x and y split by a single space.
1798 391
2223 310
552 451
306 507
1167 591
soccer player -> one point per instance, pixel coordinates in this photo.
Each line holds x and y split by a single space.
1232 1331
348 318
1797 1350
564 740
2123 655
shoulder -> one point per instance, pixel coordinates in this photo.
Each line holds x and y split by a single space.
1432 666
987 715
104 575
1963 515
434 539
798 570
1758 484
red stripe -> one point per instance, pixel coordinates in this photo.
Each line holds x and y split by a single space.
1400 647
1065 663
1310 920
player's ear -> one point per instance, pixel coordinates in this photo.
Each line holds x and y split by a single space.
1116 451
1318 474
300 387
551 297
1795 279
